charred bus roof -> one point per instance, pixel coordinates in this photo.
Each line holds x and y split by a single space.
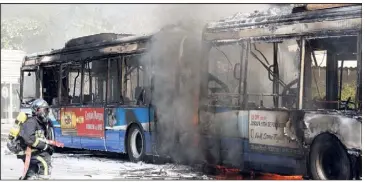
287 22
88 47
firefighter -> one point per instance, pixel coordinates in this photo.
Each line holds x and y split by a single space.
33 134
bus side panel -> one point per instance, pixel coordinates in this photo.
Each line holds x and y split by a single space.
232 150
150 134
267 148
234 128
114 140
116 122
91 143
232 146
67 140
115 129
149 138
272 163
246 159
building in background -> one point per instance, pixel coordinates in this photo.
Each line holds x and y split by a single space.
11 61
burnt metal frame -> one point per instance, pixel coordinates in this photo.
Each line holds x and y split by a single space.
108 60
62 62
358 97
303 50
230 32
301 73
243 95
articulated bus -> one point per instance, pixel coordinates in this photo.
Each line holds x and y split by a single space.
254 92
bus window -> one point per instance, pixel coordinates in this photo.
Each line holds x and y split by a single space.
332 73
273 74
74 84
133 88
86 84
99 69
114 81
50 84
223 85
29 85
70 84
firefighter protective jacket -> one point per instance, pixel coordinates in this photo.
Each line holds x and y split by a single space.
33 133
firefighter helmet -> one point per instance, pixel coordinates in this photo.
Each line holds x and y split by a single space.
40 108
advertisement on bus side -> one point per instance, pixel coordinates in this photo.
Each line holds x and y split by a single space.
266 133
84 122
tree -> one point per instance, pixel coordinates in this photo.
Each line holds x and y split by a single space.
32 32
15 32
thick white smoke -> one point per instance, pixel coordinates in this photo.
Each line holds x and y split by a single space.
176 58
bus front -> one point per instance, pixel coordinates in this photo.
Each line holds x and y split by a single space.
29 83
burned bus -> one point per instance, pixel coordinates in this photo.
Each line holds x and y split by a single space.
100 90
261 105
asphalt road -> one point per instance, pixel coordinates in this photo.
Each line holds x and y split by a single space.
91 166
74 165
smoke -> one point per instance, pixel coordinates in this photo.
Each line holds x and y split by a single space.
176 55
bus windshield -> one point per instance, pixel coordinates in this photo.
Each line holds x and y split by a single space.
29 84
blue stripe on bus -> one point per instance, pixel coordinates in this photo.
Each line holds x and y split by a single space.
222 109
67 140
114 141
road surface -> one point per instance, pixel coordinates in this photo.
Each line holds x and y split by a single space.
91 166
80 165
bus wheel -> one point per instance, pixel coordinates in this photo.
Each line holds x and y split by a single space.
50 133
328 159
136 142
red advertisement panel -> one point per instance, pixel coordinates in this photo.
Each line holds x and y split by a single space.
92 123
87 122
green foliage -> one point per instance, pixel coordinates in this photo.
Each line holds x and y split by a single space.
37 30
348 90
16 31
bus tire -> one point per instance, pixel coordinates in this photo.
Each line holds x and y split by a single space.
51 135
135 144
328 159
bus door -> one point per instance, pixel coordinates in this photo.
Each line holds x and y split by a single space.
223 133
81 106
69 78
90 114
272 79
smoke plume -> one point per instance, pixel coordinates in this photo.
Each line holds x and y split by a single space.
176 55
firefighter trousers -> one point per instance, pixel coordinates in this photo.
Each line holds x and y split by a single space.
39 166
